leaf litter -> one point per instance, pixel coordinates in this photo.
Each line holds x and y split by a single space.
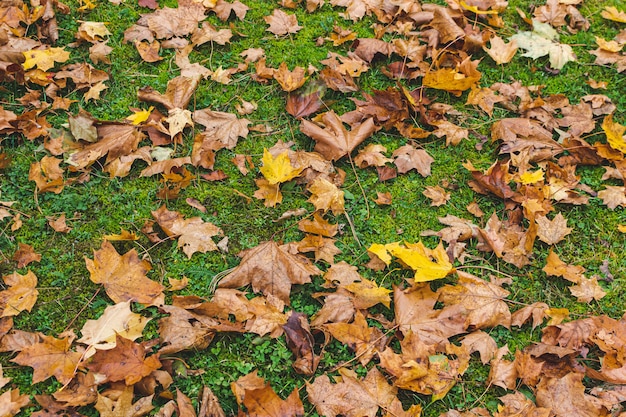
417 351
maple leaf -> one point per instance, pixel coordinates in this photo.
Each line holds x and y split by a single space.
552 231
21 294
326 196
170 22
282 23
194 234
334 141
613 196
11 402
365 341
612 13
44 59
614 133
270 270
178 92
483 301
125 362
123 276
25 254
351 397
428 264
118 319
414 313
565 396
123 405
437 195
183 330
268 192
223 127
543 41
47 175
450 80
50 357
289 80
278 169
260 400
407 158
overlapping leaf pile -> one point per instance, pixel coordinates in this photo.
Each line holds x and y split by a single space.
427 346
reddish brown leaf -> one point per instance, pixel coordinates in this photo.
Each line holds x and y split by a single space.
270 270
124 277
125 362
50 357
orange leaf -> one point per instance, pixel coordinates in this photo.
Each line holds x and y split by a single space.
124 277
50 357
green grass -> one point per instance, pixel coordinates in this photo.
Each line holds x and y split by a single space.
104 206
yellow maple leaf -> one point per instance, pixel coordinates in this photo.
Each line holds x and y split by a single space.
380 251
428 264
529 177
449 79
612 13
140 116
326 196
614 133
475 9
278 170
44 59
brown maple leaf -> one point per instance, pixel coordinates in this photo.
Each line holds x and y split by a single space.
178 92
483 301
566 396
194 234
122 405
334 141
124 277
220 126
50 357
25 254
282 23
326 196
125 362
407 158
270 270
11 402
259 398
20 295
552 231
289 80
351 397
437 195
364 340
47 175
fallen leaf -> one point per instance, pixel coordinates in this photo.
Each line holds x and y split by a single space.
118 319
326 196
50 357
25 254
543 40
278 169
351 397
282 23
437 195
552 231
124 277
270 270
122 405
20 295
44 59
333 140
126 362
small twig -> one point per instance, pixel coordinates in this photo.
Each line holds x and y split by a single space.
82 309
358 181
